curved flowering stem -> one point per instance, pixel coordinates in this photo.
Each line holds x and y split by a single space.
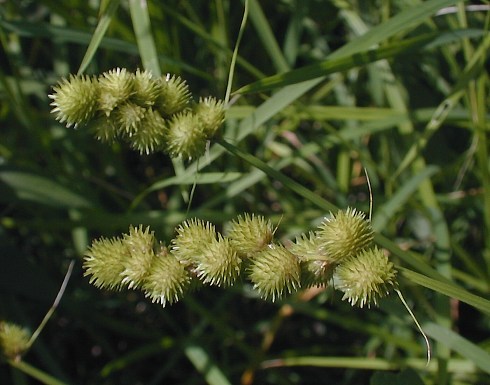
427 343
16 340
235 53
34 372
53 306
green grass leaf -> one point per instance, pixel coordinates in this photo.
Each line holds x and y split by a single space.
108 12
205 365
448 289
462 346
144 36
42 190
344 63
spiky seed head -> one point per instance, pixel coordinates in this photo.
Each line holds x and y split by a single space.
146 88
184 138
366 277
218 264
75 100
151 132
211 115
191 236
128 118
174 95
14 340
105 129
316 267
140 243
104 262
250 234
274 272
345 234
116 86
168 280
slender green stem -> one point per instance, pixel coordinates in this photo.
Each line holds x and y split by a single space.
35 373
235 53
53 306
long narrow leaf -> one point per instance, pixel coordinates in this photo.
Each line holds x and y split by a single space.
100 30
144 37
454 341
203 363
386 211
447 289
344 63
39 189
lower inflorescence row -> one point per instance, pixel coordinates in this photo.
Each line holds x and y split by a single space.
150 113
341 248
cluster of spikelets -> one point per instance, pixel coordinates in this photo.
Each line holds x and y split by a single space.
341 250
150 113
14 341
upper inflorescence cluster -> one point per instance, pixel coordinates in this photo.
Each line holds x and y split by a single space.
150 113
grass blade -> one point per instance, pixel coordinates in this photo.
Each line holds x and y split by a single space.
344 63
203 363
447 289
144 37
461 345
104 21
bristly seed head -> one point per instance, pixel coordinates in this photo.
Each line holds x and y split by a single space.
316 266
75 100
140 244
345 234
184 137
274 272
366 277
116 86
250 234
174 95
104 261
168 280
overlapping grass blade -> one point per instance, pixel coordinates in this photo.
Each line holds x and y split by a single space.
344 63
144 36
459 344
106 16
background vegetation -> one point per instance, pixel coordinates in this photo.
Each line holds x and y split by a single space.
398 87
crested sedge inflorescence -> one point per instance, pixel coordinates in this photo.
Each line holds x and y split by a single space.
341 250
14 340
150 113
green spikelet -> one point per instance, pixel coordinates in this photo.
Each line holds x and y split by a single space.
116 86
75 100
211 115
168 280
140 245
151 133
146 88
218 263
316 267
174 95
192 235
345 234
104 129
14 340
128 118
250 234
274 272
104 262
184 137
366 277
